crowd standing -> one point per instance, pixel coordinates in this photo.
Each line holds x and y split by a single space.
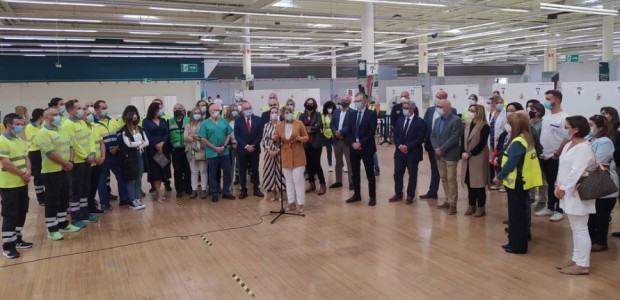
535 154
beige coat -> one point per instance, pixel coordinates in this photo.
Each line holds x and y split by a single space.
478 165
292 151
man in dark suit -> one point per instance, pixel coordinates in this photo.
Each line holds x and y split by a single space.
409 134
341 147
445 138
429 118
272 102
248 133
359 132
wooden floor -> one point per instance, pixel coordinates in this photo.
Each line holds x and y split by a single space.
338 251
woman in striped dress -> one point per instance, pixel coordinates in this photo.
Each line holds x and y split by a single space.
272 171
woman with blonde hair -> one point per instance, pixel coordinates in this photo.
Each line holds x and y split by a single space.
475 158
196 154
520 172
292 135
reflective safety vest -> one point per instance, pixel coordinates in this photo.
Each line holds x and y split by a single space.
176 133
15 150
31 131
531 174
52 139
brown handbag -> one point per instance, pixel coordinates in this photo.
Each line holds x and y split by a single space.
596 183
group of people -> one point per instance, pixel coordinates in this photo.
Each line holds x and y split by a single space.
72 148
534 152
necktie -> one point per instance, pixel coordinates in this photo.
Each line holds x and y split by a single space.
357 125
247 123
406 128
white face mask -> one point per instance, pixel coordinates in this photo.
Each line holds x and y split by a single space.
472 102
471 115
329 110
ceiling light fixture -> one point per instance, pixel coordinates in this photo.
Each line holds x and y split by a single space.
266 14
44 38
401 3
46 29
315 25
515 10
579 9
51 20
55 3
145 32
136 41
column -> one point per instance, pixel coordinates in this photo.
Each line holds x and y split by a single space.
368 33
422 55
550 60
247 56
608 36
441 69
334 64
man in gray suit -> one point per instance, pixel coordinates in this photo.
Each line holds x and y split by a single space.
445 139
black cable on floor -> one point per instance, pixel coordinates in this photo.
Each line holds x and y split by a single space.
183 237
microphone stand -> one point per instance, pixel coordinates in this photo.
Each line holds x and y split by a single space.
282 211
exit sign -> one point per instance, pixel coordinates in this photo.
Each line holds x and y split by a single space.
311 77
189 68
572 58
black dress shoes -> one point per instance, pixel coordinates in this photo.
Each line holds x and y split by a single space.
372 202
509 249
427 196
243 195
355 198
335 185
258 193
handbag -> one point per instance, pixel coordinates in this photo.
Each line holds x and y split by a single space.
198 151
596 183
161 159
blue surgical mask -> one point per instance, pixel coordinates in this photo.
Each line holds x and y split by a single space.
358 105
17 130
247 113
203 109
548 105
197 117
62 109
289 117
80 113
104 112
499 106
406 113
90 118
565 134
591 134
235 113
216 114
56 121
160 113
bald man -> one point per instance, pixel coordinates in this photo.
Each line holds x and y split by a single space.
429 118
445 139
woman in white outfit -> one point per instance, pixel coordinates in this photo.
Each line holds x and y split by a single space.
576 157
196 154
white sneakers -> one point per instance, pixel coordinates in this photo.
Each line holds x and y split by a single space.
556 217
545 212
136 205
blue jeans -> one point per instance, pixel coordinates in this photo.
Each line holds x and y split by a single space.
222 162
111 164
134 187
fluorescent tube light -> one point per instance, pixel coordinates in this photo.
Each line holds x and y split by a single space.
579 9
55 3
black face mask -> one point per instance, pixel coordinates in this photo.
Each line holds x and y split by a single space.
309 106
135 122
178 114
532 114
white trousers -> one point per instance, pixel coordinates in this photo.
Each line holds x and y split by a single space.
196 167
295 184
581 239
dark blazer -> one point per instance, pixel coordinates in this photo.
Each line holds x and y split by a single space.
368 126
245 138
413 139
448 140
336 120
265 117
428 119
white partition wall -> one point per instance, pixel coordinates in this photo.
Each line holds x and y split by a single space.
522 92
587 98
392 94
457 94
117 94
259 98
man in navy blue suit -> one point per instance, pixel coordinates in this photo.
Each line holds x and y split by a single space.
359 132
409 134
429 119
248 133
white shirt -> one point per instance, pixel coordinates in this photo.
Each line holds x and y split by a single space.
573 163
137 141
288 130
551 132
343 113
500 123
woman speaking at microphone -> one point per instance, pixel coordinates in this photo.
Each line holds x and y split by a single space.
292 135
